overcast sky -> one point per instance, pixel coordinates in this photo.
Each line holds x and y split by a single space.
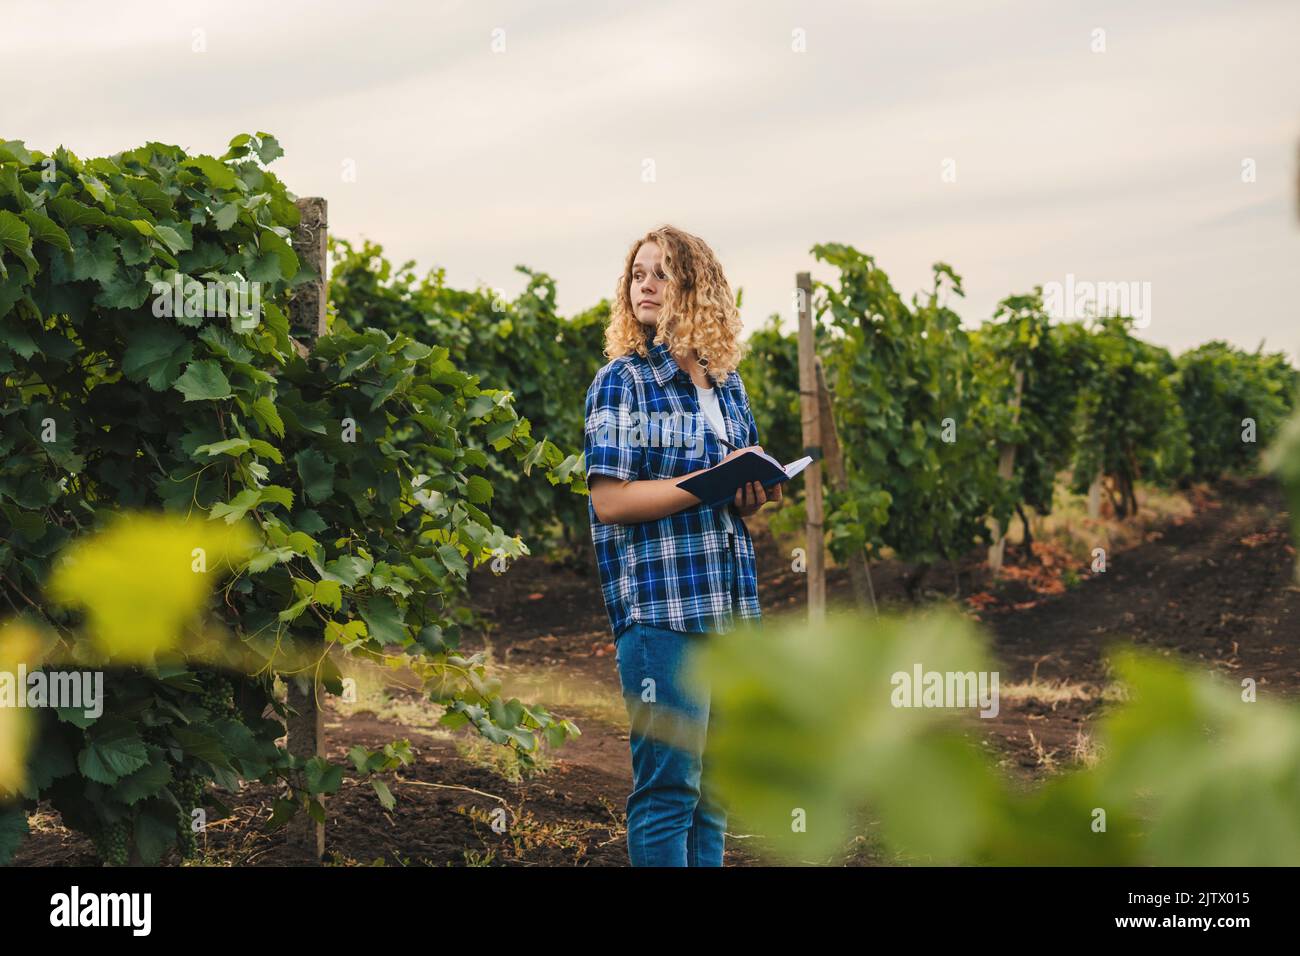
487 134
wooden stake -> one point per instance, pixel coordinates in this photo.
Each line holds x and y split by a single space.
1094 496
306 723
810 409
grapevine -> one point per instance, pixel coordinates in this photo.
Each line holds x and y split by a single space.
216 419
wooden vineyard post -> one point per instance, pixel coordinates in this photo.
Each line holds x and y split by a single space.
809 414
863 590
1094 496
306 723
1006 468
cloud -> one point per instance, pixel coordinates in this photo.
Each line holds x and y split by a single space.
1125 162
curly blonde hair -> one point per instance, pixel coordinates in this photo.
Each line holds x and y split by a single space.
698 311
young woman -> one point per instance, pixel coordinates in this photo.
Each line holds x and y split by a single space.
670 403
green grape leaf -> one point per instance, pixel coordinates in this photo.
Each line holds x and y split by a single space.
203 381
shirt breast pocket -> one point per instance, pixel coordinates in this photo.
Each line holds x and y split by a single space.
676 444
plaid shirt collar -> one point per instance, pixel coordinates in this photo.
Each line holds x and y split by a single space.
662 364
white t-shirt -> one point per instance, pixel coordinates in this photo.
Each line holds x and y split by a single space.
713 415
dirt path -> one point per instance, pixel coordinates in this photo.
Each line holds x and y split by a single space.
1215 588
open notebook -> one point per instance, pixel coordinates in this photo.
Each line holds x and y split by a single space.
721 482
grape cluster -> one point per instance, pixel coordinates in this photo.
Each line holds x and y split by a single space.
218 694
189 789
111 843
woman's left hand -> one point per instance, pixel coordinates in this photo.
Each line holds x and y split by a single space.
752 496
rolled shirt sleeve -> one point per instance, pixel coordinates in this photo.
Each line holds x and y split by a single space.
609 416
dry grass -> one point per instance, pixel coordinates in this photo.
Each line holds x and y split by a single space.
563 693
528 834
1045 759
387 696
1070 527
1058 691
1087 752
501 760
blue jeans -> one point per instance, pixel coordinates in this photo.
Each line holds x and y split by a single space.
672 817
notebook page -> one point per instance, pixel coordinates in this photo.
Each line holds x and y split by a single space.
795 467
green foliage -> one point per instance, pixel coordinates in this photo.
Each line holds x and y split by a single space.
1129 424
1020 338
547 360
809 732
923 409
770 370
903 381
360 467
1219 387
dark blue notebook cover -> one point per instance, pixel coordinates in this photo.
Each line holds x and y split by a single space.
721 482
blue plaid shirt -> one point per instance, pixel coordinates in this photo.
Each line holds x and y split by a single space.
685 572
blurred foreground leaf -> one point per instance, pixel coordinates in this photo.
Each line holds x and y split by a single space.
807 744
142 579
805 731
1217 778
20 644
